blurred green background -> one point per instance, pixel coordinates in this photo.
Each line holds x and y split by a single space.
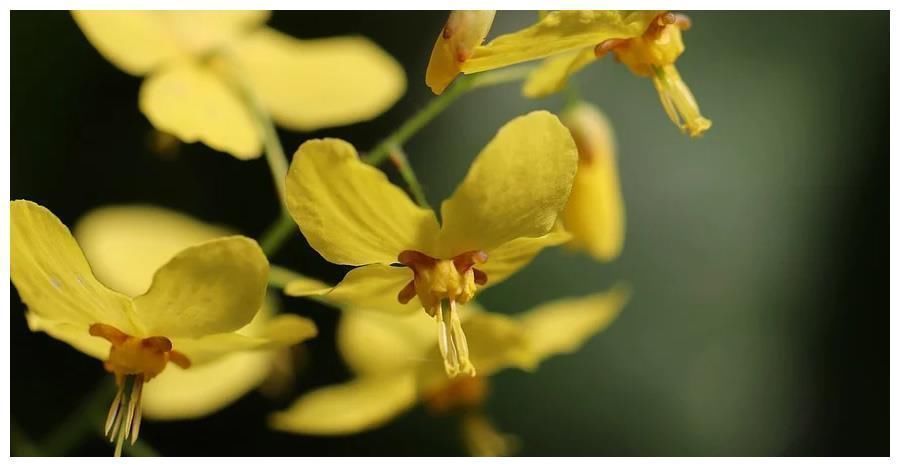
757 254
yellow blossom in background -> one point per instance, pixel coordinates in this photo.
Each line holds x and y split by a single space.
651 54
497 220
188 316
208 70
125 245
401 373
595 213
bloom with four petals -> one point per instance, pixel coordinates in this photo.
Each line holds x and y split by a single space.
125 245
189 315
208 71
503 214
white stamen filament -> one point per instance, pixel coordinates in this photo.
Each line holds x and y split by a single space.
452 341
123 421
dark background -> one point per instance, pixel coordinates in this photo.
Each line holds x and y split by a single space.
758 254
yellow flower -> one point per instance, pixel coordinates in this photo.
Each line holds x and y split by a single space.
196 62
125 245
595 213
555 33
651 54
401 373
188 316
498 219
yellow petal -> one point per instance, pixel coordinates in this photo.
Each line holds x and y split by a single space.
553 74
127 244
464 31
210 288
558 32
307 287
351 407
495 342
595 213
194 104
562 326
373 342
349 211
75 335
374 286
312 84
206 388
205 31
139 41
512 256
135 41
52 276
516 187
281 331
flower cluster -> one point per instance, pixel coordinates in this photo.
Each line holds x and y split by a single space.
186 315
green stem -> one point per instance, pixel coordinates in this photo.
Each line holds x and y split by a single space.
278 163
501 76
276 234
415 123
398 157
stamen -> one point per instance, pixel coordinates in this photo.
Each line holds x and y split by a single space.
452 281
123 421
607 46
113 411
678 101
451 360
459 341
452 341
135 406
682 21
407 293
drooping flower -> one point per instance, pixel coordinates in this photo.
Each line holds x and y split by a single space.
125 245
595 212
206 71
555 33
499 218
188 316
648 42
651 55
402 373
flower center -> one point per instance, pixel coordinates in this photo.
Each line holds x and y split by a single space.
134 361
441 284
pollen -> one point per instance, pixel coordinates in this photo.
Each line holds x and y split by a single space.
441 285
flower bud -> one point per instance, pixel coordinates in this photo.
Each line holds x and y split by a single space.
465 30
595 212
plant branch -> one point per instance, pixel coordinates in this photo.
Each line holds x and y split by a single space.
398 157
